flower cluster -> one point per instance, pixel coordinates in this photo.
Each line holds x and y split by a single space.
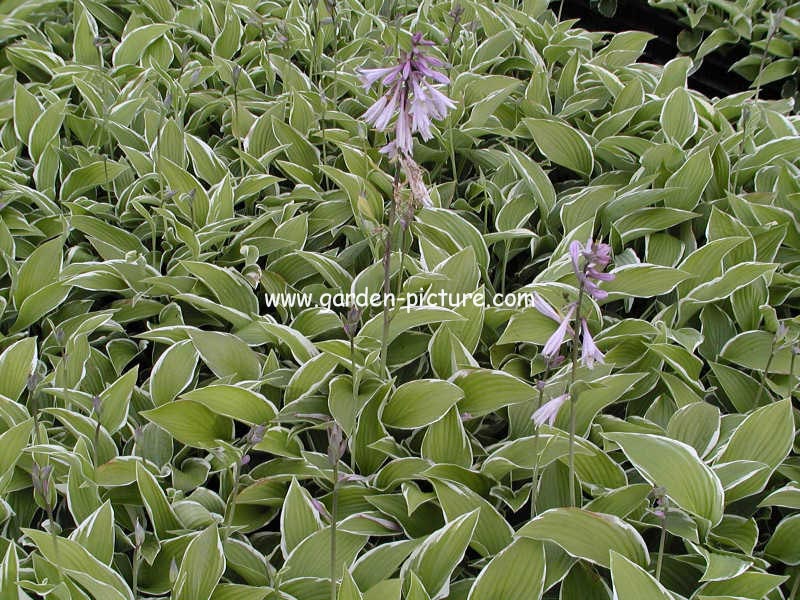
411 96
588 261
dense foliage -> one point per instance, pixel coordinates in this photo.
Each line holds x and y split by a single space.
166 166
768 33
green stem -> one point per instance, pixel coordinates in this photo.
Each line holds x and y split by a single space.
234 130
772 31
334 511
661 543
387 271
96 442
399 284
572 398
230 508
137 558
535 479
503 268
355 390
763 387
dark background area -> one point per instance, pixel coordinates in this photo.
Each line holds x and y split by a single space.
713 78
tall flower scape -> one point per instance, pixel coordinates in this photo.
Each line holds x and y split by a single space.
412 98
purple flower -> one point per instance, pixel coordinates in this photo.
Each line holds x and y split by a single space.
553 344
548 412
590 353
588 262
410 96
337 444
320 508
543 307
256 434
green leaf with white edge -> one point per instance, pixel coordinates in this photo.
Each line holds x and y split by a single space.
40 269
300 346
9 573
235 402
130 49
675 466
528 325
102 582
641 280
406 318
46 128
640 222
750 584
419 403
336 276
486 391
593 398
227 285
191 423
436 558
587 535
17 363
201 568
492 533
96 533
115 401
299 518
632 582
415 588
515 573
696 424
788 496
226 355
679 117
90 176
446 441
755 350
731 280
562 144
765 436
782 545
312 374
161 514
381 562
312 557
690 181
26 109
236 591
348 590
173 371
13 441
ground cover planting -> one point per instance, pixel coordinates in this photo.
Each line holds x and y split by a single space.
380 300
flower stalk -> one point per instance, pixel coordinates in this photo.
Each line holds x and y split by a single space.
588 262
337 444
412 102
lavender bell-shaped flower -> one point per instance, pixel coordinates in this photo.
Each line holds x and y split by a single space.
553 345
548 412
411 96
590 353
588 262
